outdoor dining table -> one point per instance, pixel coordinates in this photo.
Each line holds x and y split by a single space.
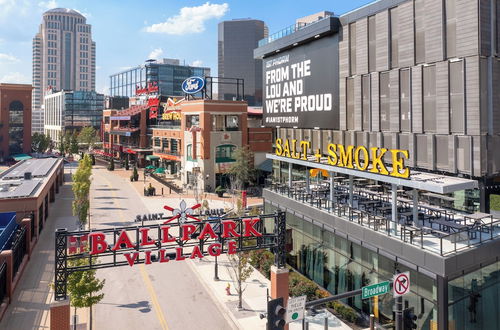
441 198
438 211
478 217
369 204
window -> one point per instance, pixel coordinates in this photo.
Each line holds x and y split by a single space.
457 111
232 122
352 48
189 152
429 108
451 28
405 99
372 37
366 99
393 31
217 122
419 31
16 127
350 103
192 120
385 103
224 153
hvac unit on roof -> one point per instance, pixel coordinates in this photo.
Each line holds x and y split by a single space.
27 175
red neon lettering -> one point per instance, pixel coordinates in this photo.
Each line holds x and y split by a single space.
187 230
207 230
123 239
99 245
147 260
162 256
145 238
231 247
164 233
229 227
249 228
214 249
131 260
178 254
196 253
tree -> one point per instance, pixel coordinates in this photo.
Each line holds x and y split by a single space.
242 171
239 270
81 190
73 144
40 142
84 286
62 146
67 142
88 136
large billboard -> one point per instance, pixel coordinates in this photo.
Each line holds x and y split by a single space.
301 86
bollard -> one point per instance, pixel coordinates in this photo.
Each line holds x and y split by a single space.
372 322
326 320
228 289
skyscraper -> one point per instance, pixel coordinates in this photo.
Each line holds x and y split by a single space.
63 58
237 40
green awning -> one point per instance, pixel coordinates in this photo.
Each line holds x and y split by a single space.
266 166
150 167
19 157
160 170
152 157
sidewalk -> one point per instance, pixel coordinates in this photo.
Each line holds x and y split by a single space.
254 297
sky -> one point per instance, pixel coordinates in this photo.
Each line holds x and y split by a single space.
128 32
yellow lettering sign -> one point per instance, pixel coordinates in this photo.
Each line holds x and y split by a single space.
357 159
377 162
332 154
279 148
398 164
345 156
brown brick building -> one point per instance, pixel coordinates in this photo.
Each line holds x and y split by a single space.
15 119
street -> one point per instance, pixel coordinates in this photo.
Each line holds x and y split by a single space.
161 296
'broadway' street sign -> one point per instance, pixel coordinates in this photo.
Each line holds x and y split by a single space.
375 290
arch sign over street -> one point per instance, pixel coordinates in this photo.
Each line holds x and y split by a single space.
184 235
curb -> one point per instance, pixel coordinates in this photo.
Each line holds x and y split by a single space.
226 312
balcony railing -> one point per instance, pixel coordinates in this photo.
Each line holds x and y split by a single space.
437 229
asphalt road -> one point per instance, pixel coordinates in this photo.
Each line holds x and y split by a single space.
157 296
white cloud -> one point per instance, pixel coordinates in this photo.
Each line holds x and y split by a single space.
6 6
124 68
15 78
197 63
190 19
97 67
8 58
46 5
156 54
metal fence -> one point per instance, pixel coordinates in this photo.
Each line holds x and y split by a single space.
18 249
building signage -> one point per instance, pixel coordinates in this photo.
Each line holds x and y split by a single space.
375 290
191 229
172 115
301 86
359 158
401 284
193 85
151 88
159 216
295 309
172 104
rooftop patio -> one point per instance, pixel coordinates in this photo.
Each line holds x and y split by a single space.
420 217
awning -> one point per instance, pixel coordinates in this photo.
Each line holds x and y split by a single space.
19 157
152 157
266 166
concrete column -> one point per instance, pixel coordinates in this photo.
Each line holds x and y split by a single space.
279 283
289 175
351 187
394 209
308 181
60 315
26 222
415 207
6 256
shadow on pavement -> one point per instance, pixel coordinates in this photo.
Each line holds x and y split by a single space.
109 197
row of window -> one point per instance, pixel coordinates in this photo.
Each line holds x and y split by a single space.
84 47
84 69
84 84
84 76
84 29
51 74
52 36
84 54
52 44
52 59
51 83
52 51
84 62
456 100
84 40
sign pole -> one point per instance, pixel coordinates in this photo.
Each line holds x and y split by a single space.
399 313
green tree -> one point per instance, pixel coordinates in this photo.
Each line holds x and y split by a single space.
84 287
73 144
67 142
40 142
88 136
61 145
81 190
242 171
239 270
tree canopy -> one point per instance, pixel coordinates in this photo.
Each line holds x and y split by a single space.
88 136
40 142
242 170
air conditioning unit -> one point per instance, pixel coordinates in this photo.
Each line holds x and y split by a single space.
27 175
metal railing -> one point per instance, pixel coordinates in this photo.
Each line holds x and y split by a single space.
406 232
18 249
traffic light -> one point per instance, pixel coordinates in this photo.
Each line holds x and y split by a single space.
275 314
409 319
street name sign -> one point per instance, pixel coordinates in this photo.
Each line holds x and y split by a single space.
295 309
375 290
401 284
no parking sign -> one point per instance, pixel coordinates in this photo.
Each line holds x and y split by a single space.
401 284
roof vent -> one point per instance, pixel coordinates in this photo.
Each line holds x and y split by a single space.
27 175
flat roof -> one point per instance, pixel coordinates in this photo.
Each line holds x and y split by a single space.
13 184
441 184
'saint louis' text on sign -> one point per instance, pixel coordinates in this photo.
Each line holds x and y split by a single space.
359 158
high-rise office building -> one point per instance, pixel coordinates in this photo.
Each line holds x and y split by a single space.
237 40
63 58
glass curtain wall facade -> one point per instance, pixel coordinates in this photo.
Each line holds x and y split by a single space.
83 109
16 127
168 76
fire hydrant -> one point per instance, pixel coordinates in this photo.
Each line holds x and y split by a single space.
228 289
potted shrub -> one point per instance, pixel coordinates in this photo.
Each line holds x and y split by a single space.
111 166
127 167
220 191
135 174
